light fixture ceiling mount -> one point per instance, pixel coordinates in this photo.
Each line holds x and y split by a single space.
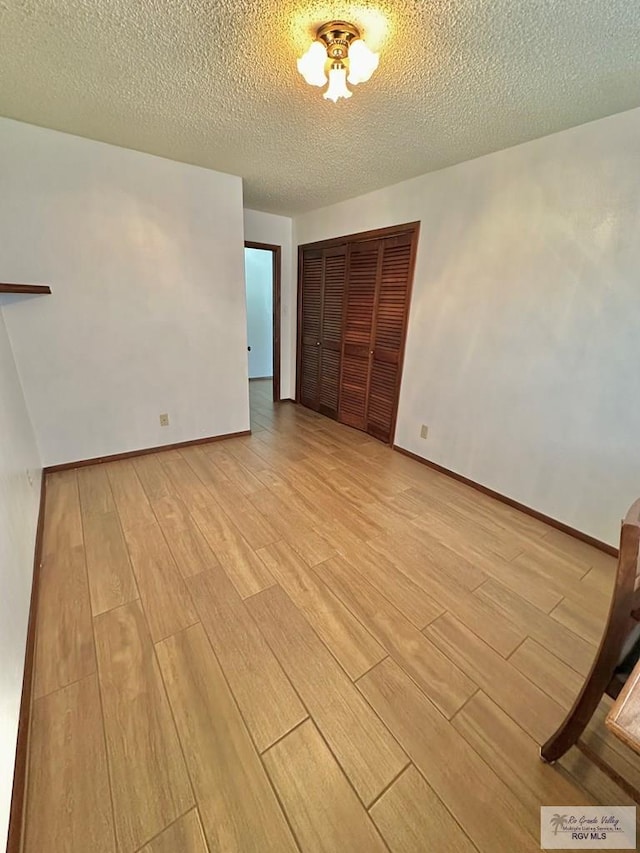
337 36
339 46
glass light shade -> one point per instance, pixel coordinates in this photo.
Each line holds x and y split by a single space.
311 65
337 85
362 62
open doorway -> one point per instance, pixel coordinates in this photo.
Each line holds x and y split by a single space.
262 282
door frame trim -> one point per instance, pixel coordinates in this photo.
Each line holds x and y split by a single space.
361 237
276 253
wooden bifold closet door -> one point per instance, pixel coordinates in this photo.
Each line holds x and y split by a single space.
323 274
353 312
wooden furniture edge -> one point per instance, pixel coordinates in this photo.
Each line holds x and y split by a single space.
609 771
613 717
129 454
534 513
19 789
25 288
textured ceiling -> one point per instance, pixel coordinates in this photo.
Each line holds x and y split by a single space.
214 82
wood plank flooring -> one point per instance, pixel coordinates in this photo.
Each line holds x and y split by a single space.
302 640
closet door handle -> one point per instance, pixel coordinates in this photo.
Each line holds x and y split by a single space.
317 343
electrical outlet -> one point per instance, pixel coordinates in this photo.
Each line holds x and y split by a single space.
424 431
164 420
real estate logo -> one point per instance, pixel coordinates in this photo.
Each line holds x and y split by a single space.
588 827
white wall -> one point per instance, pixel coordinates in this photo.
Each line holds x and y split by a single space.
524 336
277 231
258 271
20 473
145 260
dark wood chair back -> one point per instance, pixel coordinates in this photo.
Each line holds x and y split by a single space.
624 613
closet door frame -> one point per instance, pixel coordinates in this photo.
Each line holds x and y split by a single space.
412 228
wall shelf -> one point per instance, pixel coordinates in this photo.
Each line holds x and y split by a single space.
25 288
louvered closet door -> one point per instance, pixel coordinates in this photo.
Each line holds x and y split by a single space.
356 349
333 292
389 323
311 296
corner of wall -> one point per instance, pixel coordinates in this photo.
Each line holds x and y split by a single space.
20 481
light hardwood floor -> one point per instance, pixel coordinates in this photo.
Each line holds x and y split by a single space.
301 639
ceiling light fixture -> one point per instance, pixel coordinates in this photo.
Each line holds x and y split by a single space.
339 46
